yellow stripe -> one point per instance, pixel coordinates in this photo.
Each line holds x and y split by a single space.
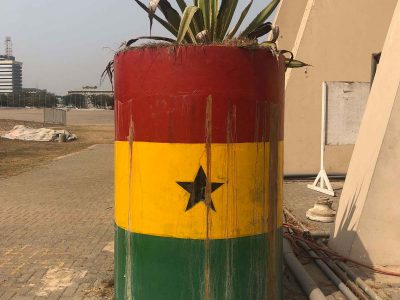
148 199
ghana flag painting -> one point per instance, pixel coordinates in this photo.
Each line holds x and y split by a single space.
193 152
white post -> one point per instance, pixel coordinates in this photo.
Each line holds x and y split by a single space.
323 129
323 124
324 184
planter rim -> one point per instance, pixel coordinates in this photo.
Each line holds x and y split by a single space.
175 47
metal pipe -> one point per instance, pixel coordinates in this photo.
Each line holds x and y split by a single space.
343 276
366 288
320 234
354 288
308 285
328 272
361 283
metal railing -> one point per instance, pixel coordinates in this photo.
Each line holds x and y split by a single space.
55 116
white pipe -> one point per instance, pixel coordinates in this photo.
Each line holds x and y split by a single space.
328 272
308 285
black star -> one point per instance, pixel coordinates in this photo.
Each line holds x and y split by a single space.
197 189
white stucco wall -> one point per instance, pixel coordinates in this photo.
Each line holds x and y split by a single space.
367 224
337 37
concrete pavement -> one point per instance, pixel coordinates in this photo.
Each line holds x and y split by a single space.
56 229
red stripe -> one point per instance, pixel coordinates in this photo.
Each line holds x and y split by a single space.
163 93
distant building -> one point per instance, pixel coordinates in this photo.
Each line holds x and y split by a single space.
10 75
34 91
10 70
91 91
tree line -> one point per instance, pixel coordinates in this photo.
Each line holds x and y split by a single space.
26 99
45 99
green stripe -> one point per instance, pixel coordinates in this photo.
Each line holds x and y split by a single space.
173 269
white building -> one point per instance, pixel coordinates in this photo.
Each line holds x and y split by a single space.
10 75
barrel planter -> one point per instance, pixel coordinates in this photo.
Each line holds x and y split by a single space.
198 173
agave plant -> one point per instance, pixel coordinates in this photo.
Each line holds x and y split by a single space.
208 21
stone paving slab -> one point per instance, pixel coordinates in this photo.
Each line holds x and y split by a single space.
56 228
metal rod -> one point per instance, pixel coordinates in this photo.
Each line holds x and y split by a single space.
293 217
307 284
343 276
320 234
361 283
329 273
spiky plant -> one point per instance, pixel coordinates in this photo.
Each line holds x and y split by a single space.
208 22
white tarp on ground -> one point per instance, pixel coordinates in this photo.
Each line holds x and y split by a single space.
20 132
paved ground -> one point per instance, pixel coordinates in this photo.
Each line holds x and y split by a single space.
299 198
56 224
56 231
74 116
56 227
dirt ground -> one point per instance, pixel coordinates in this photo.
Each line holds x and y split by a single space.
19 156
74 116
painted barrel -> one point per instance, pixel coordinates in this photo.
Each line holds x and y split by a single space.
197 208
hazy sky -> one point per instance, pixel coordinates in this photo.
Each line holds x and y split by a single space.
64 44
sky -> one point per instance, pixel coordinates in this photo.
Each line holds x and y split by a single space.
65 45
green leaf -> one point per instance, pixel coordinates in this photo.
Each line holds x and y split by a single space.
293 63
170 13
195 27
260 18
214 18
182 4
225 15
260 31
184 26
232 33
198 19
164 23
108 72
270 45
156 38
205 6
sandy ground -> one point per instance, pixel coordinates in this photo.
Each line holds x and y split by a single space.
19 156
74 116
